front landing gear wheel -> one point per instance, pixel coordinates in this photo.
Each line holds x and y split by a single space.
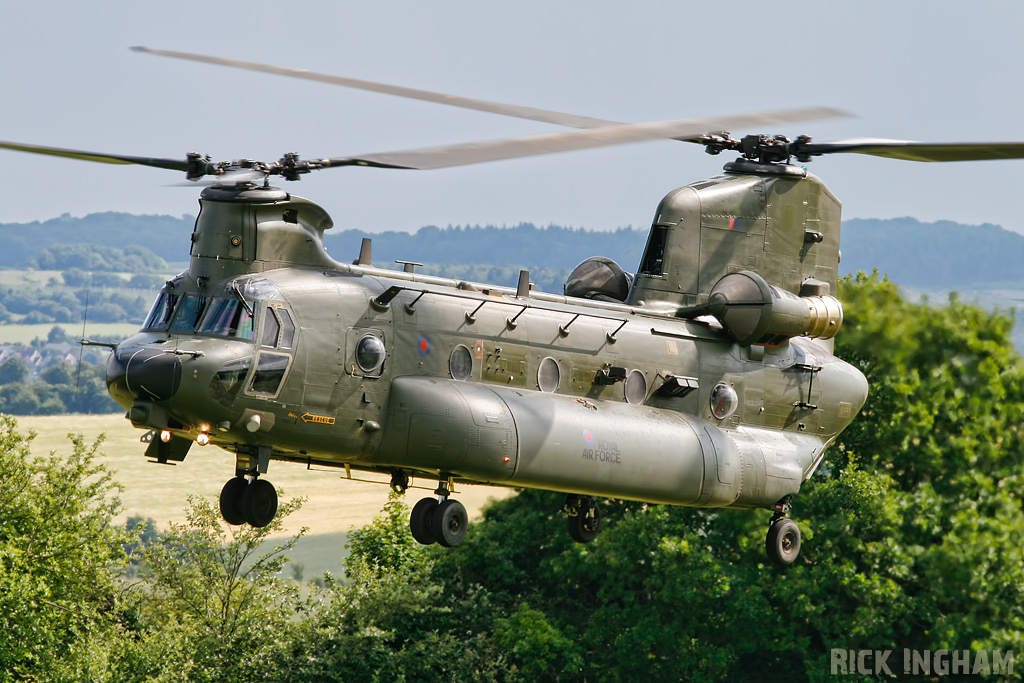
584 518
419 521
259 503
449 523
231 500
783 542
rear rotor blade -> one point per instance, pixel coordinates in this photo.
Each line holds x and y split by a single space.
493 150
560 118
920 151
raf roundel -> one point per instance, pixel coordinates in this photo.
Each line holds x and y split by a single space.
588 437
423 345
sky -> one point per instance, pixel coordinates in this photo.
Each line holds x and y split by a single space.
937 71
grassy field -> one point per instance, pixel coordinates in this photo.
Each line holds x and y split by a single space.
334 505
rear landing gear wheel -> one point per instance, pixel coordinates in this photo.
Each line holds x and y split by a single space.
259 503
419 521
231 500
449 523
783 542
584 518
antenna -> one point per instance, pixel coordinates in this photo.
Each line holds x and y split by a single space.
81 343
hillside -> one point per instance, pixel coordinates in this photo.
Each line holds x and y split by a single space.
938 257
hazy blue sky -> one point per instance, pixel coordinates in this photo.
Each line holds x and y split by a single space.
932 71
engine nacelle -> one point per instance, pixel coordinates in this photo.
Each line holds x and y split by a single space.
754 312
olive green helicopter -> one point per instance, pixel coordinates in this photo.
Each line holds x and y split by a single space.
705 378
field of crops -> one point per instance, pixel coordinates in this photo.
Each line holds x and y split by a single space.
334 505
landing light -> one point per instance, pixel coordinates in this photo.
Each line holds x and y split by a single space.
165 436
203 439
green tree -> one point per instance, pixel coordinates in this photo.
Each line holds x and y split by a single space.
59 557
13 370
217 608
390 621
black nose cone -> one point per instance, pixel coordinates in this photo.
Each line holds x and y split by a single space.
143 373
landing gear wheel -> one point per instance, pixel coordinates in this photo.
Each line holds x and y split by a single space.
259 503
449 523
584 519
419 521
783 542
231 500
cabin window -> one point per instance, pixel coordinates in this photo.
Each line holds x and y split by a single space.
723 401
370 354
160 315
460 363
270 370
229 318
654 256
636 387
548 375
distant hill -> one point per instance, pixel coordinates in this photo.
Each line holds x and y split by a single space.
166 236
939 256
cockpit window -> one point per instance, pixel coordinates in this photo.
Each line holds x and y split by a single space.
229 318
160 315
287 328
271 328
189 311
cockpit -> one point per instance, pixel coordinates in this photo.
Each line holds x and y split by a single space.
250 309
236 313
218 316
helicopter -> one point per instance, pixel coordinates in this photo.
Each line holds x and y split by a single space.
705 378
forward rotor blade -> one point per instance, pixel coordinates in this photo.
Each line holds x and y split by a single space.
560 118
172 164
921 151
493 150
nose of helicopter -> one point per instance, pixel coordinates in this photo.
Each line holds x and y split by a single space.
143 373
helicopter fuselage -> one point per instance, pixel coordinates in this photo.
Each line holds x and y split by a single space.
269 348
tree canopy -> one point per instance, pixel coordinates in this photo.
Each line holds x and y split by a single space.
913 539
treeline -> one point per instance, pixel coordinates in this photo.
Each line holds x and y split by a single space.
93 257
163 235
913 538
938 256
109 301
60 388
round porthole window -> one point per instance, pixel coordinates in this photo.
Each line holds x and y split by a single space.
723 401
460 363
548 375
636 387
369 353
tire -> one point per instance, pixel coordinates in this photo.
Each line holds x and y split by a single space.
783 542
231 500
259 503
585 525
419 521
449 523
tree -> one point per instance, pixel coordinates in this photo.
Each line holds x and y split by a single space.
59 556
12 370
217 608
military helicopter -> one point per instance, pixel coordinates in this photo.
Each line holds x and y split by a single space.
706 378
